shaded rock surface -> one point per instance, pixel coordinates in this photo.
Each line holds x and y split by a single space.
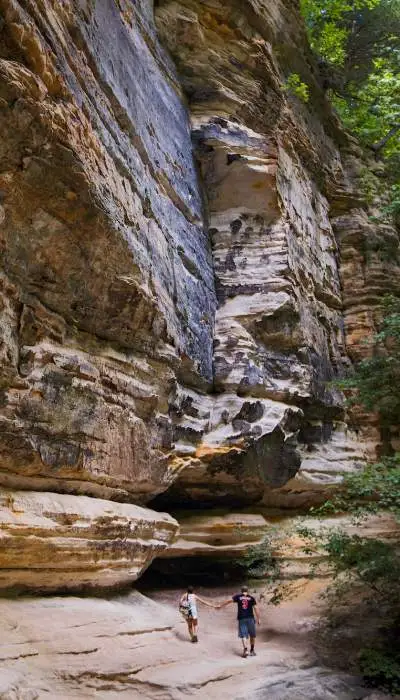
222 535
215 546
108 285
275 180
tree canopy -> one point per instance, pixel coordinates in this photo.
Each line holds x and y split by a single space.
358 47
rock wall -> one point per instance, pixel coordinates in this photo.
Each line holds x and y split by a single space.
284 217
108 276
183 269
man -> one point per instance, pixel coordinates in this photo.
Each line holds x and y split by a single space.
247 608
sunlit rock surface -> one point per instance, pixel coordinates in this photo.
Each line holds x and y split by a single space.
54 541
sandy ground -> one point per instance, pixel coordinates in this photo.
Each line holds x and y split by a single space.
138 647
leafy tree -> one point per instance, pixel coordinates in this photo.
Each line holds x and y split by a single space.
358 46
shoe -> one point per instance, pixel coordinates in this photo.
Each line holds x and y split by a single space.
253 653
245 653
195 638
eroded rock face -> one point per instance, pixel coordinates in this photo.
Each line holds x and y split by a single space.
172 285
50 541
225 535
108 280
270 168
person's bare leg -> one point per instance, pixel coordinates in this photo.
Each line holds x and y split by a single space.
244 642
252 643
190 627
194 629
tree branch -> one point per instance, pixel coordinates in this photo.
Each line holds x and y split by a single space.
382 143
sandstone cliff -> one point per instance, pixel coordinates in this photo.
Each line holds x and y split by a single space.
183 265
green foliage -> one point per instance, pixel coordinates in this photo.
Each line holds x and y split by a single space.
331 43
371 490
368 185
330 25
358 45
373 562
365 574
393 208
373 109
295 85
259 561
381 668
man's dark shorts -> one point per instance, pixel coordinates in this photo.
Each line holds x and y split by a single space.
247 627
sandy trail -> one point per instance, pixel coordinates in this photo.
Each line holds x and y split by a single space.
135 647
285 667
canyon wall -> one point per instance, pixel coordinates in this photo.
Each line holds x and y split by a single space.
184 271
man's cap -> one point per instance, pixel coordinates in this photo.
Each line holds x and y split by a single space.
244 588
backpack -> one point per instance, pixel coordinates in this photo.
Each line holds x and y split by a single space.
184 608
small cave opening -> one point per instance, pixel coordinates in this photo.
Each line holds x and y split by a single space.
180 572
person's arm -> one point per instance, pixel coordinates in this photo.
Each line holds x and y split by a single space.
257 616
226 602
206 602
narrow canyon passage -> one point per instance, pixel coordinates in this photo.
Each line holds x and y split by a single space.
185 272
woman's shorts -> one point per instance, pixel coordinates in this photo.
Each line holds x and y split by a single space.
247 627
193 613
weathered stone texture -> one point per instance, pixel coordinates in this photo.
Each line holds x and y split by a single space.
268 166
104 246
51 542
174 300
221 535
136 648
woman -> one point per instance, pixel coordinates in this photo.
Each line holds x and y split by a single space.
188 608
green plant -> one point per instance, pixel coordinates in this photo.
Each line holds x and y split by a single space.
295 85
357 44
368 491
381 668
259 561
369 185
376 379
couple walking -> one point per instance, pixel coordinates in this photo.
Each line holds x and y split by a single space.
247 614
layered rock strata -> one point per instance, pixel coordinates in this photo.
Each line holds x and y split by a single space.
50 541
225 535
215 546
171 289
108 272
271 171
108 284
